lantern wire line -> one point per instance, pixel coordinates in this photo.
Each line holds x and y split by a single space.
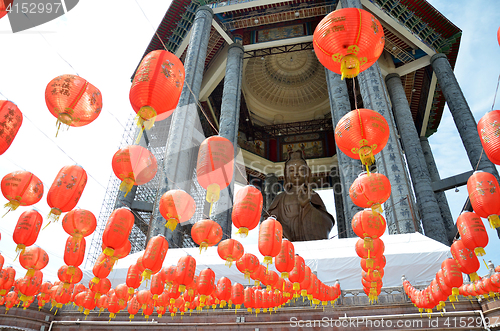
53 48
89 174
496 91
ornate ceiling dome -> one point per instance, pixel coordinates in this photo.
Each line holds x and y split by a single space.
288 86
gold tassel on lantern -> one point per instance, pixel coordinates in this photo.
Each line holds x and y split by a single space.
145 120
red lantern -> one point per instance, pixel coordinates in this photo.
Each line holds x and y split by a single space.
133 307
66 190
89 303
214 167
157 286
33 258
117 230
206 233
113 305
258 274
484 195
247 264
249 298
270 237
156 87
176 206
69 276
184 272
11 119
148 311
30 286
154 255
378 263
79 223
348 41
120 252
205 284
168 275
223 291
306 282
472 232
144 297
102 267
487 128
237 296
21 188
466 258
73 101
74 251
368 226
247 209
298 272
270 279
27 229
134 278
134 165
285 260
361 134
7 278
370 253
370 191
230 250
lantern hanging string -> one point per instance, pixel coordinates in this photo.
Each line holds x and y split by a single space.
496 91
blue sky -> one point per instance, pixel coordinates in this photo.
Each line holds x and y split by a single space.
103 43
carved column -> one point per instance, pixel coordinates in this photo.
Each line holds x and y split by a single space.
181 151
431 219
229 122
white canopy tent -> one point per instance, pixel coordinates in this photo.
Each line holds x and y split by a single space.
414 255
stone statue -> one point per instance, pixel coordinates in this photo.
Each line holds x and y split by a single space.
298 208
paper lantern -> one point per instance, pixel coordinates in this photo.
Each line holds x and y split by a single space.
368 226
66 190
133 165
79 223
120 252
488 130
249 298
369 254
27 229
472 232
223 291
230 250
205 284
206 233
377 263
69 276
285 260
296 276
370 191
168 275
11 120
144 297
270 237
176 206
21 188
306 282
102 303
73 101
89 303
32 259
30 286
258 274
134 278
270 279
157 286
154 255
7 278
148 311
102 267
484 195
184 271
466 258
247 209
74 251
156 87
361 134
348 41
117 229
247 264
237 296
214 167
133 307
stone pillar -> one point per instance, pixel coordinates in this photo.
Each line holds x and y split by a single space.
446 215
431 219
349 168
271 189
398 211
460 111
339 201
229 123
181 152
